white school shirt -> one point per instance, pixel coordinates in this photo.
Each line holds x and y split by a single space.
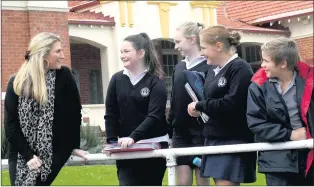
218 69
134 80
193 62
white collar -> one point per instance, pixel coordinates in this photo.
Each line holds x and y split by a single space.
127 72
193 62
134 80
218 69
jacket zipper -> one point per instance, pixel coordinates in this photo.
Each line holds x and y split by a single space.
289 126
284 104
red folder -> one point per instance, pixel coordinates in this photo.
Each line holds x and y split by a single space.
116 148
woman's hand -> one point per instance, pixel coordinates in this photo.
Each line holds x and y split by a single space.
34 163
191 110
125 142
81 153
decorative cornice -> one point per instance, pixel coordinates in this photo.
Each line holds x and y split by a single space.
205 4
122 13
105 2
161 2
163 15
33 8
130 13
207 10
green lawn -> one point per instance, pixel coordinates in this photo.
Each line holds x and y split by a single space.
98 175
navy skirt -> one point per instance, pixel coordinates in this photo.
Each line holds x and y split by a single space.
187 137
233 167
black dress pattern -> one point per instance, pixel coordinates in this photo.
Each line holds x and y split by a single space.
36 123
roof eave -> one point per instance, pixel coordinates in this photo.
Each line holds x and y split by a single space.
85 5
92 22
288 15
261 31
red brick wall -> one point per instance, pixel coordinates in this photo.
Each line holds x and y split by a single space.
17 29
84 58
55 22
305 46
15 36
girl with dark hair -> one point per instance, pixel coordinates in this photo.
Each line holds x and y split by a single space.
135 110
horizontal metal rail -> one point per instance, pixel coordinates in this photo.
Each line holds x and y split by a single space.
172 153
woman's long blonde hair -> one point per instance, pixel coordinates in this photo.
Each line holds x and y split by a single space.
30 80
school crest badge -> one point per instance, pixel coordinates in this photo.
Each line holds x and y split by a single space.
145 92
222 82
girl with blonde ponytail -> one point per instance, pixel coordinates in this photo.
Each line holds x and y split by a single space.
225 91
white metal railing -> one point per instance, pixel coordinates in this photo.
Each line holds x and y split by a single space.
171 154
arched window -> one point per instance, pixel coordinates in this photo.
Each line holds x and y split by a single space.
250 52
169 58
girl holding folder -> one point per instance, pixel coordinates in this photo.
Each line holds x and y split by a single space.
225 90
187 130
135 110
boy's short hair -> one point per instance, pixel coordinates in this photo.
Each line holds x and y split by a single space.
281 49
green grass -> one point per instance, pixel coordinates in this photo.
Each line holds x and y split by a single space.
99 175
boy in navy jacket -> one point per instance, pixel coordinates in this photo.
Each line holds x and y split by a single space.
280 109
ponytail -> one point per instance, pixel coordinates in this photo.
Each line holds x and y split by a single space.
142 41
190 29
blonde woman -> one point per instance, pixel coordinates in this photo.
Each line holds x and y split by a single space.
42 114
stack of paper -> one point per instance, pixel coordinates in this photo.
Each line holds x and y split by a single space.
194 98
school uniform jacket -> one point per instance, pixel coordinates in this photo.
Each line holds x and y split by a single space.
225 104
136 111
268 118
178 116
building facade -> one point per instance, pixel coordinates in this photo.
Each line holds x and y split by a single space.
92 32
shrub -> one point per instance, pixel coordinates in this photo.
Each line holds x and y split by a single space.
91 138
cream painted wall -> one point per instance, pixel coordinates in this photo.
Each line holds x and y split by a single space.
146 18
197 14
215 18
56 4
104 39
96 115
111 9
300 29
16 4
258 38
181 13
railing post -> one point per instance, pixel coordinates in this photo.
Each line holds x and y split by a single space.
171 165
